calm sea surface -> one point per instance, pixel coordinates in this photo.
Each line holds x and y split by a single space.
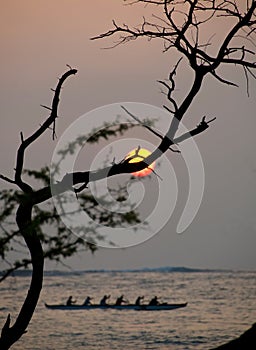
221 305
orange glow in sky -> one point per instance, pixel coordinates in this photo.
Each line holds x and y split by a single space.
141 155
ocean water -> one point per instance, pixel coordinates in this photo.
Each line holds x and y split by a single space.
221 305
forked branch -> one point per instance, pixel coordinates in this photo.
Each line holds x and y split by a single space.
25 143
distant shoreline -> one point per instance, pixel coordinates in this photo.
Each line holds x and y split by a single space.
165 269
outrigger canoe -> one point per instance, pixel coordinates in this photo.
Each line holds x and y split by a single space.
159 307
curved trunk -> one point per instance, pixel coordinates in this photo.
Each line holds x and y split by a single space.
11 334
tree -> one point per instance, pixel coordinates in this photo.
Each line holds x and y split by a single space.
179 25
33 221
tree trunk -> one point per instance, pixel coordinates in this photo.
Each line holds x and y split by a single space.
12 334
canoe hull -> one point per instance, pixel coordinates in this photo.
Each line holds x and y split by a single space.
160 307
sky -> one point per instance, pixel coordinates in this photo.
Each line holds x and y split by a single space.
38 39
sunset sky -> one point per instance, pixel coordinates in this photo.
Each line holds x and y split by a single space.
38 39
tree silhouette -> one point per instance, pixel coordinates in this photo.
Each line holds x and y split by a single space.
179 25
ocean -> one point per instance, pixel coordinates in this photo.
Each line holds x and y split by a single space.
221 306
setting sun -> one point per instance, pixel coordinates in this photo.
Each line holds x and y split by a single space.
140 155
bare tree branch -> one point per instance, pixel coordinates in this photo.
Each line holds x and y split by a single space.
27 142
224 81
7 179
